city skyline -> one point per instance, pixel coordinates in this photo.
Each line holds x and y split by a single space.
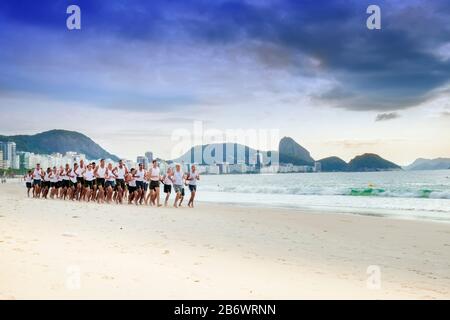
312 70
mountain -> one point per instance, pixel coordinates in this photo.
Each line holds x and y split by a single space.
224 152
429 164
291 152
60 141
333 164
371 162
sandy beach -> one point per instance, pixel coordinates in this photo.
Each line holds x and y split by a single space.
51 249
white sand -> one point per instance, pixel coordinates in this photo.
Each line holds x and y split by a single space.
59 249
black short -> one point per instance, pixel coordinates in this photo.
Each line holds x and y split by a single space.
192 187
53 184
145 186
132 189
80 180
140 185
36 182
100 182
167 188
29 186
121 183
111 184
66 183
154 185
59 184
46 184
88 184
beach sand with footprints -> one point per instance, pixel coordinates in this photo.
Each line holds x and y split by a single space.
70 250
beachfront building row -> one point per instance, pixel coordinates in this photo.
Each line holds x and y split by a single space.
8 158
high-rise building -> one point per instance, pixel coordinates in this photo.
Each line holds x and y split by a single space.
2 162
9 154
149 156
143 160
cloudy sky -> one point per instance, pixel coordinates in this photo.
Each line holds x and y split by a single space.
139 70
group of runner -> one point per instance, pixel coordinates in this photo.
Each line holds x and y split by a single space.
112 183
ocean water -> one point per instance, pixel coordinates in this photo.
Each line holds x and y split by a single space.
401 194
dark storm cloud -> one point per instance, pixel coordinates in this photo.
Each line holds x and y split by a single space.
390 69
387 116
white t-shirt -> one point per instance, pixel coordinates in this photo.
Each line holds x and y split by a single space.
132 182
79 172
167 180
155 173
54 177
89 175
101 172
37 174
140 174
65 175
28 178
121 173
193 177
73 177
178 178
111 176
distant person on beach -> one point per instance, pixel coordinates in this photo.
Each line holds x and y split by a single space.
28 182
192 179
120 171
80 180
100 175
155 178
89 179
110 183
167 181
53 182
38 174
46 183
178 182
130 179
140 182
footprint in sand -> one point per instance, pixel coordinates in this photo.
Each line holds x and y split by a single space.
69 234
166 252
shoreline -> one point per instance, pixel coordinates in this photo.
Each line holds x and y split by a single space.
62 250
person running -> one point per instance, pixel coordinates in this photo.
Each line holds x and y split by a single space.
73 182
89 179
110 183
29 182
140 177
120 171
167 181
130 179
59 185
65 181
178 182
192 179
38 174
46 183
80 180
155 178
100 174
53 182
